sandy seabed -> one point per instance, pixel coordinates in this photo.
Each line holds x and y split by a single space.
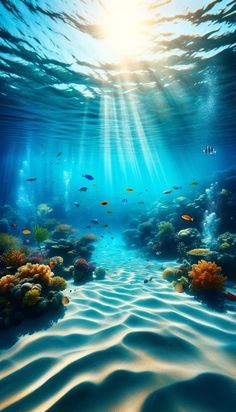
123 346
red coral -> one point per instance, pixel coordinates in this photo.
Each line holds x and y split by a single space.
206 276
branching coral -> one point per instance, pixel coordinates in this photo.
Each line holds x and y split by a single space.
38 273
7 283
57 283
7 242
206 276
40 234
13 258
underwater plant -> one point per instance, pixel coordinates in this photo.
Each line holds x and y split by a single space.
57 283
40 234
36 273
206 276
7 242
13 258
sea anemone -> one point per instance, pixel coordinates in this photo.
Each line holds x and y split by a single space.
7 283
13 258
36 272
31 297
199 252
40 234
206 276
57 283
7 242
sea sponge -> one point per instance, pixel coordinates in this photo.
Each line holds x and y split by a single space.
199 252
7 283
7 242
206 276
171 274
57 283
31 297
12 257
38 273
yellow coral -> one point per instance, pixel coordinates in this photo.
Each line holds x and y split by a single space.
57 283
7 283
31 297
206 276
171 274
12 258
38 273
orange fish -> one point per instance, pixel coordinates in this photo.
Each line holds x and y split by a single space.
104 203
26 232
51 264
187 217
230 296
13 225
65 300
129 189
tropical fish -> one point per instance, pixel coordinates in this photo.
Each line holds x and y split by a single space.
124 200
167 192
65 300
109 212
129 189
51 264
105 225
89 177
177 187
230 296
88 227
59 154
77 204
209 150
187 217
83 189
95 221
194 184
13 224
31 179
26 232
104 203
149 279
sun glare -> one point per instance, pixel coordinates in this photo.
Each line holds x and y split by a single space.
124 27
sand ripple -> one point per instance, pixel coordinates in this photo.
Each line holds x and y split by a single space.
123 346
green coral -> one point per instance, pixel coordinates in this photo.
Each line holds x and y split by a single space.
57 283
40 234
31 297
7 242
166 231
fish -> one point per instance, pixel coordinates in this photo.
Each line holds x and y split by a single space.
129 189
177 187
112 237
149 279
101 236
187 217
109 212
51 264
88 227
209 150
89 177
194 184
95 221
167 192
77 204
141 203
230 296
104 203
31 179
83 189
65 300
26 232
13 224
105 225
59 154
124 200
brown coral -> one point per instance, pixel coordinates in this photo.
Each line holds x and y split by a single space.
12 257
38 273
64 228
57 283
7 283
206 276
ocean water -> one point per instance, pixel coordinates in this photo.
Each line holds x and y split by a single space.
115 101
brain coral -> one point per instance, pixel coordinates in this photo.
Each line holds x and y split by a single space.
38 273
206 276
7 283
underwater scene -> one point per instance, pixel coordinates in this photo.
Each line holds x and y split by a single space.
117 206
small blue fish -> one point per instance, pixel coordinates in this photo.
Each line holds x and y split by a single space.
31 179
83 189
89 177
125 200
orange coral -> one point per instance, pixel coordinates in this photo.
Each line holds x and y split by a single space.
38 273
7 283
12 258
206 276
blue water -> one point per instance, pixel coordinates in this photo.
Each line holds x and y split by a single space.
130 92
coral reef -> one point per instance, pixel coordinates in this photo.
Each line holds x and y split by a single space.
36 273
83 271
57 283
12 258
7 242
206 276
